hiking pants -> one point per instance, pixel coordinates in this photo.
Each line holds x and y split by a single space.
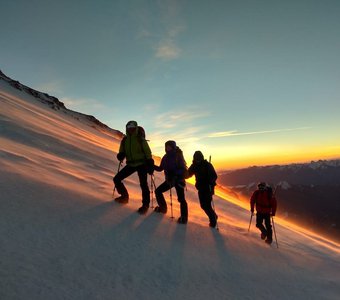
205 197
165 186
267 229
143 181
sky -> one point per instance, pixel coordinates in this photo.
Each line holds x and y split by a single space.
247 82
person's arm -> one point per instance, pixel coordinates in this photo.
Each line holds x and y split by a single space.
160 168
252 201
273 205
191 171
121 153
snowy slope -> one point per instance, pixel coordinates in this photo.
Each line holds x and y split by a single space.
63 238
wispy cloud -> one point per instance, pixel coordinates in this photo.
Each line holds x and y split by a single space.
163 37
174 119
236 133
181 126
167 50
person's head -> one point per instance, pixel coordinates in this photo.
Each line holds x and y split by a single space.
131 127
170 146
198 157
262 186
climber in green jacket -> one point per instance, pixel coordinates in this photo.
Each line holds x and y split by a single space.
136 150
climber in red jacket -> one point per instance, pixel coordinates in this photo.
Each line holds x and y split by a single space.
265 203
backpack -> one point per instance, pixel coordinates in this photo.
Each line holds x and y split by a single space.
212 176
141 133
269 192
265 201
140 137
179 158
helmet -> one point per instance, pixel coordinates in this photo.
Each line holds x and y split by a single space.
131 124
198 156
171 144
262 185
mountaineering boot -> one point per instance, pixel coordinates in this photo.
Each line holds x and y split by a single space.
269 238
122 199
268 241
213 222
161 209
182 220
143 209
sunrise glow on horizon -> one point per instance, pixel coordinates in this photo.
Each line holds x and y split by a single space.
229 157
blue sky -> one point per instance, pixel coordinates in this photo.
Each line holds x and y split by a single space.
249 82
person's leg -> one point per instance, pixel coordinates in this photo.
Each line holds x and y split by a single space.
162 206
205 202
259 225
143 181
183 204
120 187
268 228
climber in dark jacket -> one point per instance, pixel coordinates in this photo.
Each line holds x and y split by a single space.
174 166
205 182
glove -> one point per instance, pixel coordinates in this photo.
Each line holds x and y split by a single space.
252 211
120 156
272 214
150 166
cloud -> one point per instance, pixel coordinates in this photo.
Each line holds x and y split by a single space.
167 50
236 133
174 119
163 36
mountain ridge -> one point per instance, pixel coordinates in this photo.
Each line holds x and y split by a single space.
55 104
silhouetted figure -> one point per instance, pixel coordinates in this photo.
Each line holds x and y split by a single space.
137 152
174 167
206 177
265 204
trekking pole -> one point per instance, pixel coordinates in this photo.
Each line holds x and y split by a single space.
114 189
213 207
172 214
251 218
153 182
151 191
277 245
212 200
276 187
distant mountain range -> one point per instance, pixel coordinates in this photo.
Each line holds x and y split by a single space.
308 194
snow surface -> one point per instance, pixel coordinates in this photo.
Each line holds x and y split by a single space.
63 238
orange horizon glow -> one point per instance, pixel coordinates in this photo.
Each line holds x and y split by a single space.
239 163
